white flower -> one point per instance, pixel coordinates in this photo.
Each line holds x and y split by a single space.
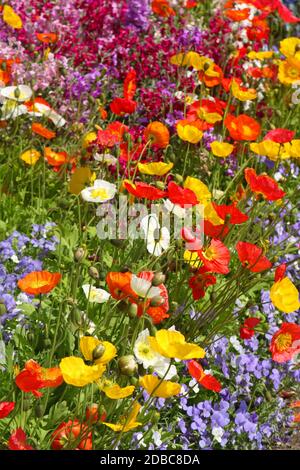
157 237
218 432
146 356
102 191
95 295
156 437
175 209
105 158
18 93
194 385
41 109
143 288
11 110
236 344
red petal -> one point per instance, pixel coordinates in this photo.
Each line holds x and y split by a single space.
211 383
195 369
6 408
280 272
17 441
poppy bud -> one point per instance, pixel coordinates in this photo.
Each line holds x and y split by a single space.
93 272
134 381
159 278
76 316
79 254
178 178
125 269
132 311
156 301
98 352
117 243
160 185
127 365
17 93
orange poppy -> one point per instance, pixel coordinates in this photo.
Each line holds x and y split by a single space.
158 133
285 342
129 86
213 76
237 15
206 380
39 282
144 190
47 38
55 158
112 135
72 432
242 127
34 377
39 129
121 106
162 8
119 284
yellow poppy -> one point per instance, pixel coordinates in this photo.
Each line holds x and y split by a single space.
88 344
285 296
115 392
155 168
11 18
189 132
159 388
172 344
30 156
261 55
88 139
76 372
291 149
200 189
190 59
79 179
289 47
241 93
192 258
221 149
127 423
267 148
211 215
289 71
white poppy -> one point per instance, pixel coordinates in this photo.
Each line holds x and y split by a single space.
41 109
143 288
11 110
175 209
102 191
18 93
106 158
157 237
95 295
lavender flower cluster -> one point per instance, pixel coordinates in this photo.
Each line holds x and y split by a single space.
19 255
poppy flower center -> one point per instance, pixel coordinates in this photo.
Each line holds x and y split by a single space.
210 254
284 341
100 193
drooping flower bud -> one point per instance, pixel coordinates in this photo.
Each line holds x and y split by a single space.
132 311
93 272
79 254
127 365
159 278
98 352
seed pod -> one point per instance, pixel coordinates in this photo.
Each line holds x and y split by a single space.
159 278
98 352
127 365
93 272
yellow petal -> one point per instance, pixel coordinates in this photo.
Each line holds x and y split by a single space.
285 296
155 168
189 133
221 149
127 423
172 344
11 18
87 345
88 139
211 215
115 392
76 372
109 353
30 156
242 95
288 46
159 388
200 189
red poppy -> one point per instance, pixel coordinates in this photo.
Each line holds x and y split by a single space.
281 136
18 441
162 8
112 135
230 214
242 127
280 272
252 258
6 407
206 380
47 38
193 242
129 86
259 30
130 152
247 329
263 184
181 196
39 282
33 377
92 413
199 109
285 342
269 6
72 432
121 106
39 129
144 190
191 4
218 232
216 257
200 281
